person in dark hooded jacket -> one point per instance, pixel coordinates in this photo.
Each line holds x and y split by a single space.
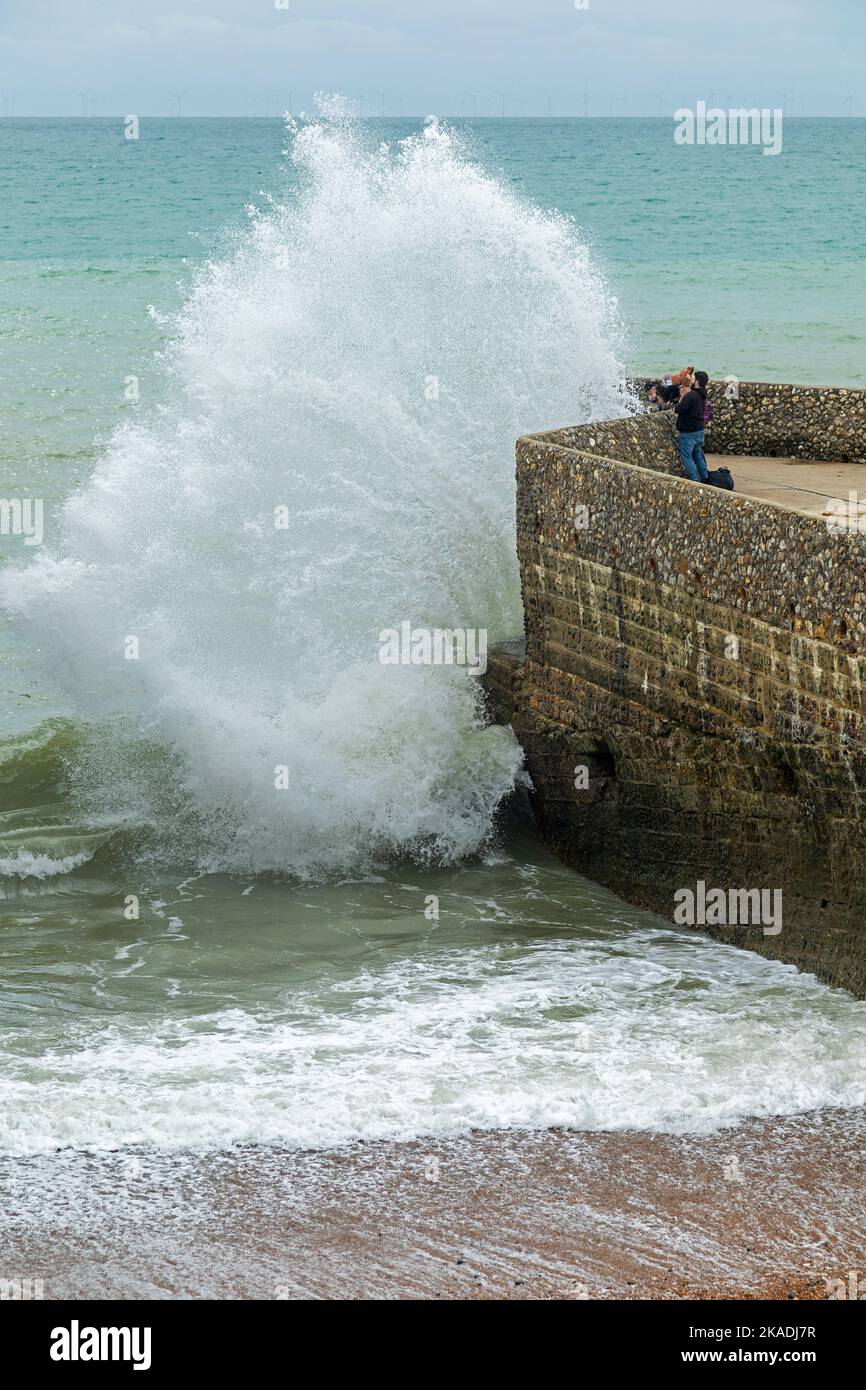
690 409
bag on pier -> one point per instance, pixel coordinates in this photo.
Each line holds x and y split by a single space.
721 477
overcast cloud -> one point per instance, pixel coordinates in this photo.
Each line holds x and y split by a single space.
239 57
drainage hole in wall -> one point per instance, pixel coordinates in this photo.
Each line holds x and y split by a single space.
602 765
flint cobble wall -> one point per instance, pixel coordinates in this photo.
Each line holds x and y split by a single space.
702 655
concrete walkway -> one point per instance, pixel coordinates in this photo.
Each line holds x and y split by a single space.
799 485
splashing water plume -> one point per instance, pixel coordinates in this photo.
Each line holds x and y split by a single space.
360 364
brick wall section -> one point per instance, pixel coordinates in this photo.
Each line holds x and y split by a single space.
703 655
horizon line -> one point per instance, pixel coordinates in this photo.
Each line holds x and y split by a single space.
403 116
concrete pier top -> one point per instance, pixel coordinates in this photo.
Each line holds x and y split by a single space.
799 485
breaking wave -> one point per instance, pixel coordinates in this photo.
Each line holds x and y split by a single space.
332 456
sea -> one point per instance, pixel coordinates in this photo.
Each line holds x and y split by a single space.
264 379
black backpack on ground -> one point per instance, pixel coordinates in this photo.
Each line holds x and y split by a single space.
721 477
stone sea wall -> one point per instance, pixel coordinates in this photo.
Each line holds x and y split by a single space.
691 695
781 421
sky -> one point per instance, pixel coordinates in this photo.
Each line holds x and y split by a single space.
419 57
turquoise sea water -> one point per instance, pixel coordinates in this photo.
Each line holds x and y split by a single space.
747 264
155 999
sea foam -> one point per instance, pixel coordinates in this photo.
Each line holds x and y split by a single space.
331 456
